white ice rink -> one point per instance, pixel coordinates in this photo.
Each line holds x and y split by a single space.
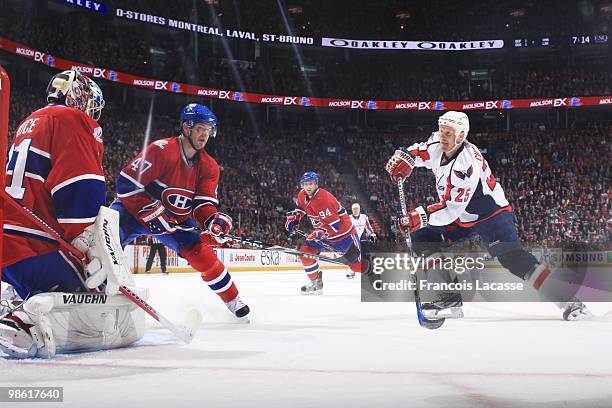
333 351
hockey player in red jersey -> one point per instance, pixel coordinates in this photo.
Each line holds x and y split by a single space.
472 203
174 181
55 171
332 227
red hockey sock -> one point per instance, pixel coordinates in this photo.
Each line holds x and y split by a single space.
202 258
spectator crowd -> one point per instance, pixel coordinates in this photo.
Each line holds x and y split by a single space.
558 181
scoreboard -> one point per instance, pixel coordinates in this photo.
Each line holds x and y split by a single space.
562 41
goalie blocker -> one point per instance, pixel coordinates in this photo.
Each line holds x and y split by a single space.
73 320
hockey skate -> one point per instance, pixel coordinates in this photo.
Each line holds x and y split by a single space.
350 274
16 338
239 309
314 287
448 305
576 310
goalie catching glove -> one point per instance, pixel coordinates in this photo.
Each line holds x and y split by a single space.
101 244
400 165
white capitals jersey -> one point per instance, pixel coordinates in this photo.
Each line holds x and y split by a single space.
362 223
466 187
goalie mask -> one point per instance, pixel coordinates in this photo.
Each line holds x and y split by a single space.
73 89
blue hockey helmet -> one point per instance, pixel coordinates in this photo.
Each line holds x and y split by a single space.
196 113
309 176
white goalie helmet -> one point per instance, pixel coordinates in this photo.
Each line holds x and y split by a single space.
76 90
457 120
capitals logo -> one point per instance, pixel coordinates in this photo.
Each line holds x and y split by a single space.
50 60
112 75
175 87
438 105
575 101
237 96
372 105
177 200
462 175
305 101
506 104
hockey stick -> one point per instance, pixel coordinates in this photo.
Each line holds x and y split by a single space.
341 260
318 241
194 318
423 321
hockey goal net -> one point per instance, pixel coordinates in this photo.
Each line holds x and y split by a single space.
5 86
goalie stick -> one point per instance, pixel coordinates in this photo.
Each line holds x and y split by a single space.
193 319
423 321
341 260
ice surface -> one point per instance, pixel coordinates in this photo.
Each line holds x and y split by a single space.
333 351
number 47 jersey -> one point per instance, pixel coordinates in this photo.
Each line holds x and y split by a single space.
55 170
162 172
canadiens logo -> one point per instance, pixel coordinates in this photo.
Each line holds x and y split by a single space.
177 200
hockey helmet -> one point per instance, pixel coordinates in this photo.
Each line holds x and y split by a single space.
73 89
196 113
309 176
457 120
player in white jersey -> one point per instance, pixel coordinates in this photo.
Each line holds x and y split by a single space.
361 222
364 229
472 203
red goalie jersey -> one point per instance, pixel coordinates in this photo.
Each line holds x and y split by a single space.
325 212
54 169
162 172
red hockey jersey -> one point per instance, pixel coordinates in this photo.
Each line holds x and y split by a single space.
325 212
54 169
162 172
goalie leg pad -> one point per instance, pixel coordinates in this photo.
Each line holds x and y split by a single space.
203 259
108 262
77 322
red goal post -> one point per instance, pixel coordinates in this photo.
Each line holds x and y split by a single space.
5 88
